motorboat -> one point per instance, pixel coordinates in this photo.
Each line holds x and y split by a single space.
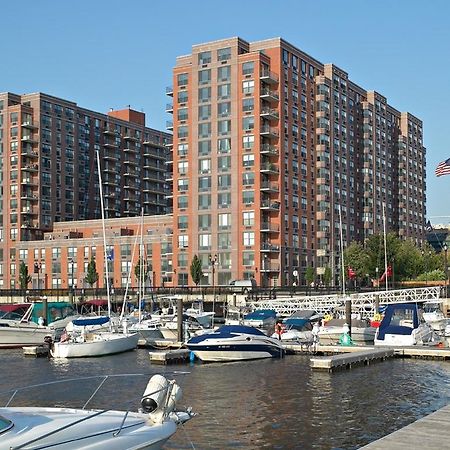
264 319
206 319
433 314
191 327
66 428
235 343
295 329
81 343
148 329
18 330
403 325
361 331
234 315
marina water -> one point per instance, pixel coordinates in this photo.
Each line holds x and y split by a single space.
273 404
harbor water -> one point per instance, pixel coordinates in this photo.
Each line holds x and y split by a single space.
273 404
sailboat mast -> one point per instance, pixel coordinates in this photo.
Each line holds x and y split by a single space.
141 266
385 249
105 253
342 251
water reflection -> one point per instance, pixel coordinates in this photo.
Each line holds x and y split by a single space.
278 404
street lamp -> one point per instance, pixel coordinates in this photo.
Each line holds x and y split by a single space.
212 263
72 266
378 280
37 270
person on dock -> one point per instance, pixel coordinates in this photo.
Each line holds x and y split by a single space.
279 329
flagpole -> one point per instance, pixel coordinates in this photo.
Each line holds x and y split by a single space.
342 252
385 249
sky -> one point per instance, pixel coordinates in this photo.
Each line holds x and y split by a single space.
106 54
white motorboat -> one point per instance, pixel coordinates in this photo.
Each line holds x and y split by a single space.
81 343
206 319
295 329
17 330
191 327
403 325
264 319
235 343
65 428
148 330
433 314
361 331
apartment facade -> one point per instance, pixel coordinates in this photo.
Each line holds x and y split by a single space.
61 258
275 154
49 169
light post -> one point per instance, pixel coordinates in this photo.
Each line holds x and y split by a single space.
72 264
212 263
446 267
378 280
37 270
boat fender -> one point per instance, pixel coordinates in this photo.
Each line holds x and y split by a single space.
155 394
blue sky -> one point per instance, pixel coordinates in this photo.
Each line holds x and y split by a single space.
106 54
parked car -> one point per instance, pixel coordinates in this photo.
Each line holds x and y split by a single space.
243 286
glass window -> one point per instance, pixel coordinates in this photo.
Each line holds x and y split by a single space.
248 87
223 91
224 199
204 112
204 201
204 129
248 123
182 222
182 132
224 181
204 221
248 197
183 241
182 114
248 141
204 76
248 178
248 238
224 221
204 241
183 167
224 109
224 145
204 94
204 148
223 54
204 166
182 97
183 149
248 104
248 67
204 183
248 258
224 240
204 57
248 160
182 201
224 73
248 218
224 126
182 79
224 163
183 184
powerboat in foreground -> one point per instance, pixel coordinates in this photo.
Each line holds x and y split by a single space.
67 428
235 343
403 325
433 314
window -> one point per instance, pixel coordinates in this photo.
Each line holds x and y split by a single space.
224 240
182 132
285 57
204 201
224 126
204 57
204 221
204 166
223 91
224 145
248 160
204 148
204 241
248 218
182 97
248 123
204 183
248 104
204 112
224 109
224 73
182 149
204 129
248 141
224 199
224 163
183 241
224 221
224 181
248 197
182 79
204 76
183 167
182 114
248 87
204 94
248 178
248 67
182 201
223 54
183 185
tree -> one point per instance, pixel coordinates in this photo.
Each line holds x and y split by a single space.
196 270
326 277
92 274
309 276
356 258
24 277
137 270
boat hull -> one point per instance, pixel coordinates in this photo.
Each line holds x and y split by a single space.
359 336
101 344
25 335
211 355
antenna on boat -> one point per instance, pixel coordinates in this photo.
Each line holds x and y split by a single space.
385 249
342 251
105 253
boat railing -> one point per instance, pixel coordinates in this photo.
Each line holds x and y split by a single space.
104 378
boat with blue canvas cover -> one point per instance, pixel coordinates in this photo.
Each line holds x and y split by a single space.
264 319
295 329
235 343
403 325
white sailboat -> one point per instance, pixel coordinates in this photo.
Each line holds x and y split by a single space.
100 343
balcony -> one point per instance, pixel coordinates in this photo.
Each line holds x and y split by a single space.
109 130
267 227
109 144
129 137
267 149
169 125
28 181
110 157
269 113
270 169
270 268
267 247
169 108
270 132
169 91
268 77
29 138
130 150
30 168
270 205
28 210
267 186
28 195
30 125
269 95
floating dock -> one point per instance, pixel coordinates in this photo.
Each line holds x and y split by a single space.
426 433
171 356
35 351
347 360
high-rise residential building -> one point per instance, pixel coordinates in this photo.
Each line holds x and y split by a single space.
49 170
275 154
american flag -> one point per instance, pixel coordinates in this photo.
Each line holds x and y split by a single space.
443 168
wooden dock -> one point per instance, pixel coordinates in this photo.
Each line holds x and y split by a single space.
348 360
426 433
171 356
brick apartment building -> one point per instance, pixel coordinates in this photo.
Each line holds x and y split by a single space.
49 171
269 144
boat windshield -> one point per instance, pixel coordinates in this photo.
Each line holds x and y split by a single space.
431 307
5 424
10 315
403 317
